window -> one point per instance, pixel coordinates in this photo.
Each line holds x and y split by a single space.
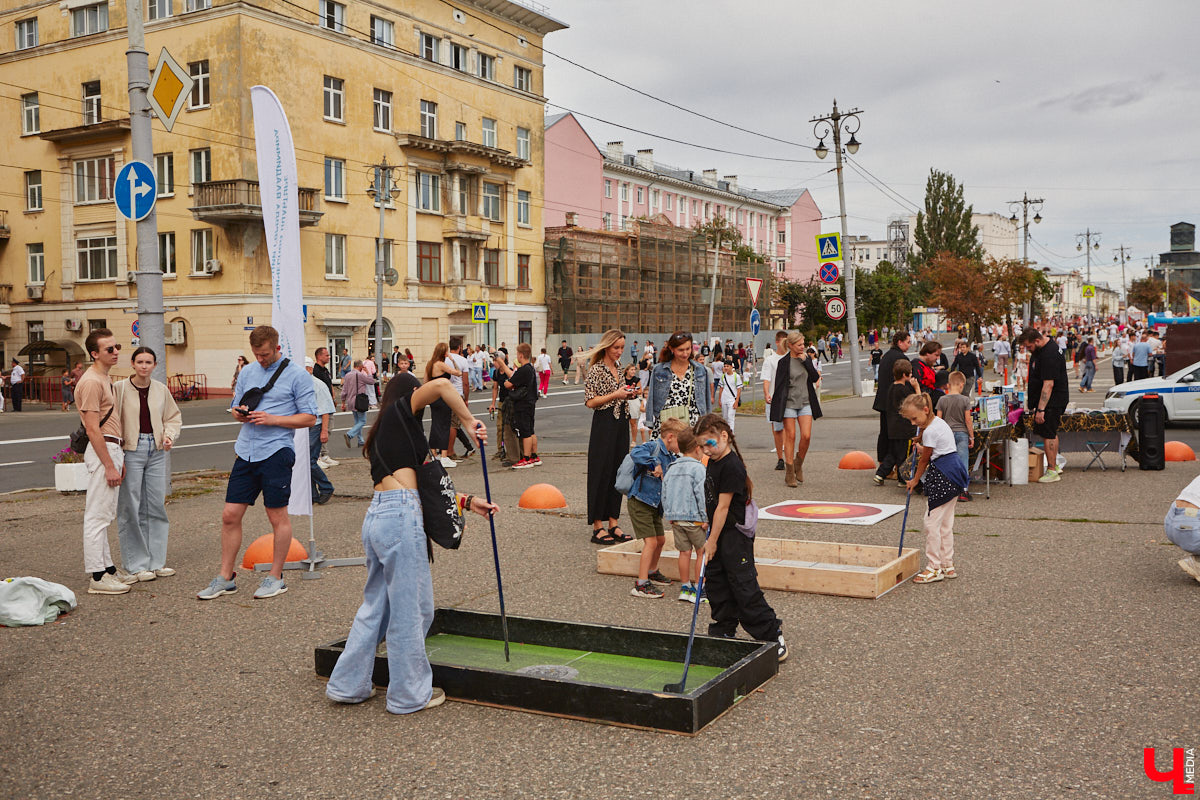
36 332
608 220
429 47
491 267
333 16
670 201
27 34
31 113
383 110
607 188
89 19
467 266
523 79
35 255
654 198
200 94
624 222
335 255
640 194
460 131
97 258
522 271
166 253
525 331
96 324
429 262
196 5
33 190
335 93
487 67
383 31
94 180
523 144
463 194
164 173
160 9
91 103
428 119
522 207
201 166
202 250
624 192
695 206
491 201
458 57
335 179
429 194
781 237
385 335
489 132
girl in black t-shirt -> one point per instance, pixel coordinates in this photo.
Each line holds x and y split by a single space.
731 579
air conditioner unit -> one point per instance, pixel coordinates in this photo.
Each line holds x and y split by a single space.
34 292
74 324
131 277
175 333
212 266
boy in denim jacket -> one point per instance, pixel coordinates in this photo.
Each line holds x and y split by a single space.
683 507
651 460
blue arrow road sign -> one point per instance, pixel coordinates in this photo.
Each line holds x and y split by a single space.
135 190
755 321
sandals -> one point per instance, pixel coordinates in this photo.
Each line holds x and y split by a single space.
929 575
949 572
602 536
622 536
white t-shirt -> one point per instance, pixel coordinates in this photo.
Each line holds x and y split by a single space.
939 436
460 363
770 362
729 383
1001 348
543 362
1191 493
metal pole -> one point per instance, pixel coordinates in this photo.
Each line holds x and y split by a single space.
712 291
847 264
1027 311
1089 278
383 183
148 275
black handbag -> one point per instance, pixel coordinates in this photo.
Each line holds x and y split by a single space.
254 395
79 439
444 522
361 402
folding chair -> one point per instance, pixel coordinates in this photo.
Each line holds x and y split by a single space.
1097 449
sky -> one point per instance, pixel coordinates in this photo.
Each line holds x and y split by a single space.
1092 106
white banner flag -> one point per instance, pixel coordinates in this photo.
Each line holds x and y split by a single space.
281 220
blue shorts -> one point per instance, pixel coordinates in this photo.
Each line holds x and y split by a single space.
272 477
777 427
793 413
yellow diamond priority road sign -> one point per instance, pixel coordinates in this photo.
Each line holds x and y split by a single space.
169 89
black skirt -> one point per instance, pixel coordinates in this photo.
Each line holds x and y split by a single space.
607 447
439 425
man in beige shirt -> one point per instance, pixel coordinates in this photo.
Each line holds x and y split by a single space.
105 462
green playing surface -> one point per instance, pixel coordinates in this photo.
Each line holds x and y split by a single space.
606 669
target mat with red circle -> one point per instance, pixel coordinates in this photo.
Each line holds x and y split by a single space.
827 511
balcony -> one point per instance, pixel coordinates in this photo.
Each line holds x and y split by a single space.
238 200
92 133
454 147
4 230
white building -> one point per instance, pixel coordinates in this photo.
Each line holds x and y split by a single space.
999 235
1068 300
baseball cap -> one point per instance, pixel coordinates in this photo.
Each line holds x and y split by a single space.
308 362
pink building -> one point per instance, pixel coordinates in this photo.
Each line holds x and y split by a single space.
604 189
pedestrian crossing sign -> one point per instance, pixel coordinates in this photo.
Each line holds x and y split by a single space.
479 312
829 246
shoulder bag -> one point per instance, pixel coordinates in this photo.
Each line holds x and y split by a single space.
254 395
681 412
79 439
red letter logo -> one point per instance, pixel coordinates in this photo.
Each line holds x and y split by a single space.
1176 775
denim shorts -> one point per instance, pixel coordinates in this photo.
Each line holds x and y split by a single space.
775 426
272 477
1182 526
793 413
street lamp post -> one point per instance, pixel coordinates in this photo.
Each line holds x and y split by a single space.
1084 241
836 123
1025 202
381 189
1122 254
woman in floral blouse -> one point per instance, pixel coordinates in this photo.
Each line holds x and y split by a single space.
606 394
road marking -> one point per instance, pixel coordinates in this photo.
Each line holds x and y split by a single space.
15 463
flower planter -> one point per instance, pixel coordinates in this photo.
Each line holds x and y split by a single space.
71 477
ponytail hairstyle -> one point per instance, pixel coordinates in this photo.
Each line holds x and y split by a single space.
918 402
715 423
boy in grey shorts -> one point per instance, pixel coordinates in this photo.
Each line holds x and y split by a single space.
683 506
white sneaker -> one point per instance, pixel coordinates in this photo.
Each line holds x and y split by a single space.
146 575
448 463
108 584
126 577
164 572
1190 565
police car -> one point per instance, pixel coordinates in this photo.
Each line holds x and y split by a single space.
1180 393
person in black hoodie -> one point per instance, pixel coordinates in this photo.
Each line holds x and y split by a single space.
901 341
968 364
795 402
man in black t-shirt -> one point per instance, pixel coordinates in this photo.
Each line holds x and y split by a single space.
564 359
1047 394
522 387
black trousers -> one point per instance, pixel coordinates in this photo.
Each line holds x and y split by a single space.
1118 375
881 444
18 393
1139 373
897 452
734 596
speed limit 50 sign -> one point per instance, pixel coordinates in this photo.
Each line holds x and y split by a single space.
835 308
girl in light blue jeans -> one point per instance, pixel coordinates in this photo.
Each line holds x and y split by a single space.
1182 526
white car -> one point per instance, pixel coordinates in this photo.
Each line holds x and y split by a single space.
1180 392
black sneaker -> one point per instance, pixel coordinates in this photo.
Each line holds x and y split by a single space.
781 649
780 466
646 589
659 579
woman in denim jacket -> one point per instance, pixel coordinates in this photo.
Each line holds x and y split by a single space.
671 385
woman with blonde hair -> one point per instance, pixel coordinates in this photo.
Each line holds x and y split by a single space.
606 394
795 403
439 367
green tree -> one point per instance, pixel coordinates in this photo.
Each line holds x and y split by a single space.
1147 294
884 296
804 305
1017 283
944 226
744 254
719 232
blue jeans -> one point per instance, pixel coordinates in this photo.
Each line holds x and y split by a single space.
960 441
320 480
1183 528
397 606
1089 372
476 376
141 507
355 432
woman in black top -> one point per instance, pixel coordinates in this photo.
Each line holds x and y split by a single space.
608 443
398 596
439 427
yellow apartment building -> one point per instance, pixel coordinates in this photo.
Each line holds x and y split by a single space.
449 91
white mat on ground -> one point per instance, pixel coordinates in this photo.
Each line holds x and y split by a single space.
838 513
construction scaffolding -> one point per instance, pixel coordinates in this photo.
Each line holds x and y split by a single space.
653 277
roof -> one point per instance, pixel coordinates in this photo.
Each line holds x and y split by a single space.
778 197
553 118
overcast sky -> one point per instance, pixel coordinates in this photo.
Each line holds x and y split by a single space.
1093 106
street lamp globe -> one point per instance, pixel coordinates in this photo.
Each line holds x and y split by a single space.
1013 218
1096 246
821 150
1037 218
1079 248
852 145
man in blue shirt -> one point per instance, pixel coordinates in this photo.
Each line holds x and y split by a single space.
1143 351
265 456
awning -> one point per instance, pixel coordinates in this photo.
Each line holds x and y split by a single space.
343 322
47 346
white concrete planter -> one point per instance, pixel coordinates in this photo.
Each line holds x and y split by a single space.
71 477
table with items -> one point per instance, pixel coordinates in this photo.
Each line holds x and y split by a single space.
1092 432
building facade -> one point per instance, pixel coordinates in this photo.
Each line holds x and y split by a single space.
607 189
449 93
999 235
1068 301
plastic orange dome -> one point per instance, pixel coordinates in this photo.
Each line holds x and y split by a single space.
262 548
1178 451
542 495
856 459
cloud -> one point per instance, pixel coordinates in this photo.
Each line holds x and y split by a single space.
1107 95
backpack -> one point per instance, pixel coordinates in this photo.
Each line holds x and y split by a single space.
750 526
625 474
